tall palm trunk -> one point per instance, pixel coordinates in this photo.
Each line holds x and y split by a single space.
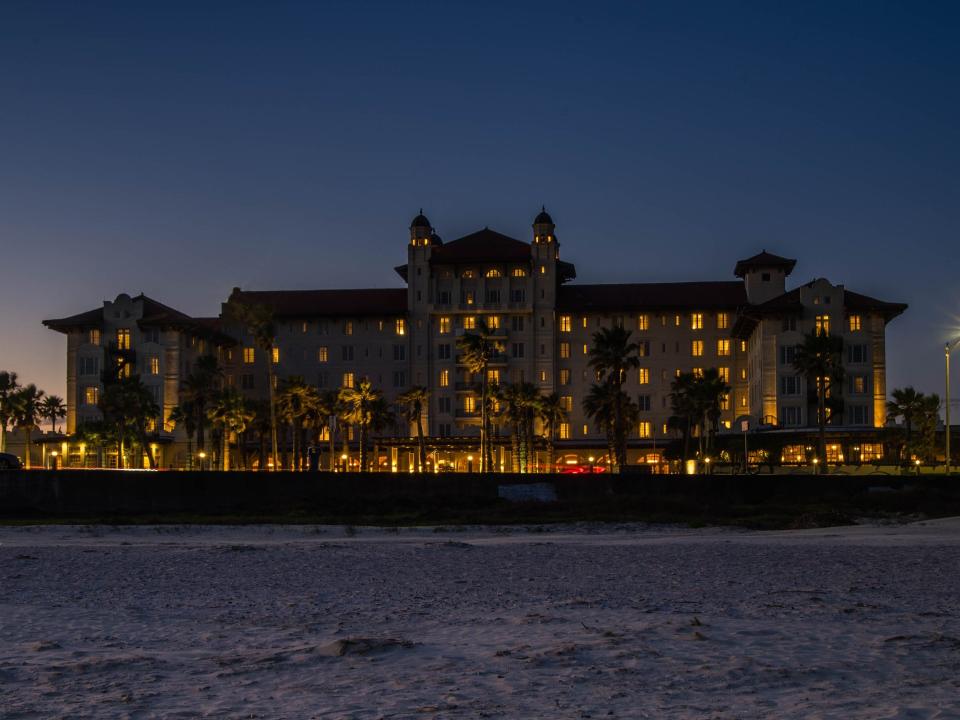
822 421
421 443
333 448
226 449
515 447
27 448
273 409
483 422
363 445
345 435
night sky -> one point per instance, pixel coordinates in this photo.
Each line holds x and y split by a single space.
182 149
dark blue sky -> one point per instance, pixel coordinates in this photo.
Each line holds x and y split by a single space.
182 149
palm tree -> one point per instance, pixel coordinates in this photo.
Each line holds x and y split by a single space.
329 409
683 402
259 321
382 417
552 413
476 351
233 414
927 426
261 426
8 388
27 415
359 404
53 408
129 406
612 356
908 404
819 358
294 403
510 411
710 391
184 415
599 405
414 402
97 433
199 389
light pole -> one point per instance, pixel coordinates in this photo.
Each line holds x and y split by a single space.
946 403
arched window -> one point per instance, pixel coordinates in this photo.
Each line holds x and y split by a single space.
518 272
494 273
468 274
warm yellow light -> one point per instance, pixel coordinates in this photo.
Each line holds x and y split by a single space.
469 458
343 457
53 453
202 455
707 460
916 462
591 458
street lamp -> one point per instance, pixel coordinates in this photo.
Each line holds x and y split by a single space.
203 456
343 460
946 404
469 463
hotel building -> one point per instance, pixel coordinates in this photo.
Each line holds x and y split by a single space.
542 320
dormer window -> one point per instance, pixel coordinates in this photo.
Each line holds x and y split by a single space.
518 272
468 274
494 273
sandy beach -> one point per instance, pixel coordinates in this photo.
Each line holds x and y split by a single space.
543 622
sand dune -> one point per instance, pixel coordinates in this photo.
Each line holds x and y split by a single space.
557 622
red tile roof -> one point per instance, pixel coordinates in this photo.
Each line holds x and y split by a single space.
764 260
482 246
651 296
343 303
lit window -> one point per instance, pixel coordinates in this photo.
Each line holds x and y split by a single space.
275 354
854 323
726 423
305 327
743 346
564 349
248 355
645 429
493 322
347 380
564 431
724 374
401 326
94 337
696 348
470 404
123 339
494 273
564 376
723 348
586 429
723 321
154 363
643 376
586 349
859 384
743 401
698 372
643 322
584 320
444 325
566 402
823 324
467 297
468 274
743 373
518 272
724 402
565 323
322 354
493 377
469 322
543 269
543 376
696 321
676 320
677 372
444 380
348 327
91 395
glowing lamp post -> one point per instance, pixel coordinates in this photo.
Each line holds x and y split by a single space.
469 463
343 462
203 456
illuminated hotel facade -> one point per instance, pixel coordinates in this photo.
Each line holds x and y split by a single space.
542 322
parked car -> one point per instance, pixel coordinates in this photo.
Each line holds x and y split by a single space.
9 462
